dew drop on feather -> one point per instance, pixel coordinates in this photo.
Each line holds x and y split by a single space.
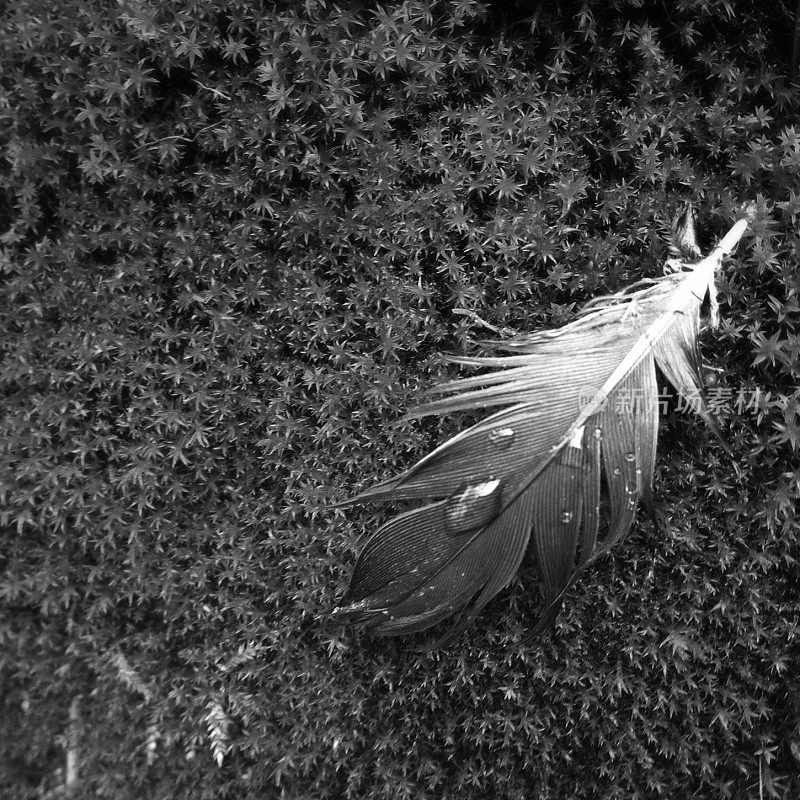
473 507
502 438
598 433
566 516
630 457
616 471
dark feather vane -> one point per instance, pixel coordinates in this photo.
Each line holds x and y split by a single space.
683 237
576 408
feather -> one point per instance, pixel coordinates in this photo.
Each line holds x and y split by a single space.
574 408
683 238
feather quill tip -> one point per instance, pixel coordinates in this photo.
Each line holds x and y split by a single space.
750 211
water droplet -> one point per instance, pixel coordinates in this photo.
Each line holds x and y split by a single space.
632 502
566 516
598 433
473 507
502 438
638 471
616 470
630 456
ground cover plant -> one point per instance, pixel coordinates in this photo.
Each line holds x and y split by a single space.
233 237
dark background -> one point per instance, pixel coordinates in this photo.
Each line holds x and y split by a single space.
233 235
